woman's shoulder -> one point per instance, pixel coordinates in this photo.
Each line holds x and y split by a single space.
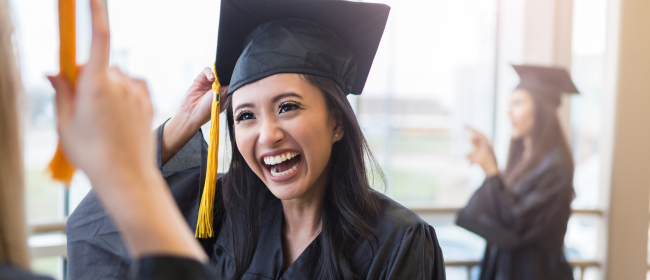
556 162
395 217
402 238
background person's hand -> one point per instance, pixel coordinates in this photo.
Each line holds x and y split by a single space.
197 103
105 123
483 153
195 111
105 127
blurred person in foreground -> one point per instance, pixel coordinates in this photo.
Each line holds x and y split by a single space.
105 129
523 211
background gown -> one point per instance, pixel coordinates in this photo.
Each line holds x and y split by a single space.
406 246
524 225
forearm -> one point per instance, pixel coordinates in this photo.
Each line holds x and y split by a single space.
142 208
490 169
176 133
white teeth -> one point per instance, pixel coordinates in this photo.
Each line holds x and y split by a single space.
274 170
273 160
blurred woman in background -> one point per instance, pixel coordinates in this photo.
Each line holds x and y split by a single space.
523 211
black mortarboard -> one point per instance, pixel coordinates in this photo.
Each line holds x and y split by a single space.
258 38
329 38
550 81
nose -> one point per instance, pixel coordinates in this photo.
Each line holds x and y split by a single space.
270 134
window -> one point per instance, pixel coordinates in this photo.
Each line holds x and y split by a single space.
433 74
588 58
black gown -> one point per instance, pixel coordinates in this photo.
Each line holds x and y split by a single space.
407 247
524 225
8 272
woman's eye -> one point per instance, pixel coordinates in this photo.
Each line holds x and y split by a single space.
286 107
245 116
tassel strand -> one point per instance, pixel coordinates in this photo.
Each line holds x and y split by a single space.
204 227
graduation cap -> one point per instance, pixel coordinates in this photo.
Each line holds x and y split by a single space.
552 82
334 39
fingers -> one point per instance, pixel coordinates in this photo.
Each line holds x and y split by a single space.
478 138
207 72
471 129
64 98
100 46
140 89
205 78
484 139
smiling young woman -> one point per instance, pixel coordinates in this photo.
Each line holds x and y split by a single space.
296 202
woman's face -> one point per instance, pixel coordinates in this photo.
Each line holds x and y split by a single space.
285 132
522 113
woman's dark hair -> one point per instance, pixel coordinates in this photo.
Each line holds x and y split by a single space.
350 210
547 136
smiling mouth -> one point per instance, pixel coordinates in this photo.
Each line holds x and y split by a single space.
282 164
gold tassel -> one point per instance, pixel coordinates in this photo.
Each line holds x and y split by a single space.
60 167
205 219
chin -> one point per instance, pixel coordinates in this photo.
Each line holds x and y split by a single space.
286 192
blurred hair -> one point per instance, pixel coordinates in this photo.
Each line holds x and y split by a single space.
349 209
547 136
13 245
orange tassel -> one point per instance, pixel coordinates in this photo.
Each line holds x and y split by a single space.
204 222
60 167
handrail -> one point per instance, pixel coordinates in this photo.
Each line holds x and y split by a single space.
468 265
43 227
454 210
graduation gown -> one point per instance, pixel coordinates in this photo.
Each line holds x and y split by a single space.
406 246
524 225
8 272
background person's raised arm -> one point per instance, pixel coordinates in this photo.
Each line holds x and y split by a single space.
104 125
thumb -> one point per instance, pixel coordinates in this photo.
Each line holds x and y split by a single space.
64 98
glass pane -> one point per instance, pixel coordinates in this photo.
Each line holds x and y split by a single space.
50 266
581 240
589 27
427 82
588 57
457 243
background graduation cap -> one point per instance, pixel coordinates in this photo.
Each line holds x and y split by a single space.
552 82
258 38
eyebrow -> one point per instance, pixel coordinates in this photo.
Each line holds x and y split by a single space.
289 94
245 105
275 99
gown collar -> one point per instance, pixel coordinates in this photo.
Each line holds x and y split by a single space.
268 259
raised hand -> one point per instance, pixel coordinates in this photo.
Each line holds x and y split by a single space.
482 153
194 112
197 103
104 122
